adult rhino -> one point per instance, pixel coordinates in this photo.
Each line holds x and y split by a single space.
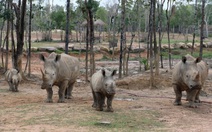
62 71
189 75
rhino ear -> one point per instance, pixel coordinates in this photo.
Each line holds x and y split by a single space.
113 73
42 57
184 59
103 72
197 60
17 71
57 58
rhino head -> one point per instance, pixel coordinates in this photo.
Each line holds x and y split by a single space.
49 74
191 76
15 79
108 82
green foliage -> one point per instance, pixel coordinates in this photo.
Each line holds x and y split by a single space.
90 5
145 62
5 14
102 14
93 5
58 17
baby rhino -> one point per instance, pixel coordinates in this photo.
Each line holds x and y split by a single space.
189 75
13 77
103 85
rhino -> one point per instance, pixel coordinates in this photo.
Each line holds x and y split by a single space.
103 85
13 77
60 70
189 75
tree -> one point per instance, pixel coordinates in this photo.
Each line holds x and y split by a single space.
3 17
7 34
195 26
20 10
92 7
67 25
169 13
123 39
29 40
101 13
89 8
160 14
58 18
156 55
202 29
112 22
151 37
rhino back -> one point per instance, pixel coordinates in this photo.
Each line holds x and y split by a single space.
97 81
68 68
203 69
176 73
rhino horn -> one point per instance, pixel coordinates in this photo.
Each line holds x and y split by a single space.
42 72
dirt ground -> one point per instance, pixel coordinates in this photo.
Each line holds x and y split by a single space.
136 107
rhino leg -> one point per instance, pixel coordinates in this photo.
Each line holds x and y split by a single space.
61 92
191 97
94 100
197 100
68 91
10 86
109 103
16 88
100 101
178 94
49 95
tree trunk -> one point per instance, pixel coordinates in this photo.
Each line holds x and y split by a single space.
195 27
160 11
1 48
7 39
114 32
67 26
168 28
87 48
156 56
123 39
202 29
20 15
138 30
92 59
151 33
29 40
128 54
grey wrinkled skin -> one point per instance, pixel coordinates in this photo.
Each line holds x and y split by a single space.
62 71
103 86
13 78
189 75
